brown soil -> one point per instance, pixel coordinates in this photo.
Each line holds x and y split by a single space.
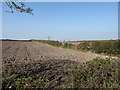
34 57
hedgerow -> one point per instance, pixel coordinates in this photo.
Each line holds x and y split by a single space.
109 47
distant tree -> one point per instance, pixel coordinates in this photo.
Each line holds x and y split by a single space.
63 40
49 37
18 6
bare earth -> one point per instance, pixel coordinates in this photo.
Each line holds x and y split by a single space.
34 57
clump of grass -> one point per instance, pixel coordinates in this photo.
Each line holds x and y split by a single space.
98 73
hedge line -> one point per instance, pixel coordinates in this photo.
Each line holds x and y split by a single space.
107 47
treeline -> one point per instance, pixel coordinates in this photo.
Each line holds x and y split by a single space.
97 40
17 40
109 47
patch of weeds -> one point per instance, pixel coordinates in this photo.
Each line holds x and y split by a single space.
26 81
3 79
8 71
98 73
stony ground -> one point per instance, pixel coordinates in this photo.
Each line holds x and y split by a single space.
34 57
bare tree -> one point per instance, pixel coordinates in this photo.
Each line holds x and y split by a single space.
49 37
18 6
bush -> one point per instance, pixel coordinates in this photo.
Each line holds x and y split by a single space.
106 47
65 45
50 42
98 73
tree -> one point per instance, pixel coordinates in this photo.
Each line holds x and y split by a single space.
18 6
49 37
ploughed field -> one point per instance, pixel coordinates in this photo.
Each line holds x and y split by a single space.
49 66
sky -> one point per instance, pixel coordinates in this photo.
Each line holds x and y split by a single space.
0 20
62 21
